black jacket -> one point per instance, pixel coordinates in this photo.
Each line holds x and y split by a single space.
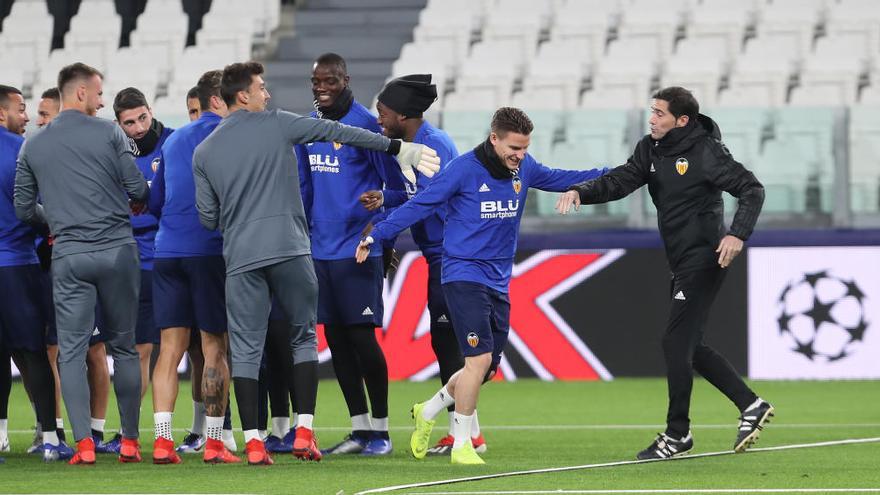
685 171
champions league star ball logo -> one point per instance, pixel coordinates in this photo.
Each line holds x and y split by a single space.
823 317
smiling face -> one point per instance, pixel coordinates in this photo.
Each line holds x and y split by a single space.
13 115
47 110
92 94
328 81
257 96
511 148
391 122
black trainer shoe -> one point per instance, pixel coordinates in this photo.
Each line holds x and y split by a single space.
751 423
665 447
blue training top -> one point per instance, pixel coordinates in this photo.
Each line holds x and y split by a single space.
482 215
332 178
180 234
146 224
16 237
427 233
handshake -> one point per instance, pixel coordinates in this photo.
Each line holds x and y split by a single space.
418 156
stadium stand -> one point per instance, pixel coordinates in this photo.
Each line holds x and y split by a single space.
792 83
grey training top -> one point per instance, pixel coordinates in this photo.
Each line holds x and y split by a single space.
247 182
82 168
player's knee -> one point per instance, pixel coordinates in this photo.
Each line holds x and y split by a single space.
480 363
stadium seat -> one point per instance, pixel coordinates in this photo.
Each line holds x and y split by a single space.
192 63
838 64
602 131
813 94
467 128
657 22
855 18
724 21
783 170
746 96
578 156
484 69
743 130
26 38
697 66
559 65
768 64
586 21
864 158
161 30
94 31
614 98
456 21
630 65
517 20
791 22
228 15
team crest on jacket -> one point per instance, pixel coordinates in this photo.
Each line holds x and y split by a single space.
155 164
336 145
681 166
472 339
517 184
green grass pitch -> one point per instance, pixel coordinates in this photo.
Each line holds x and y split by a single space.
528 425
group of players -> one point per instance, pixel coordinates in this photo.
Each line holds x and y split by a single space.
233 236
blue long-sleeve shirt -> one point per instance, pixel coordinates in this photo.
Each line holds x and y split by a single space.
427 233
332 178
16 237
180 233
145 225
482 215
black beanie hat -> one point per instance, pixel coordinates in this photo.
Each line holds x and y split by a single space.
409 95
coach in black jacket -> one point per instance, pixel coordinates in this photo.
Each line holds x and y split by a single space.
686 167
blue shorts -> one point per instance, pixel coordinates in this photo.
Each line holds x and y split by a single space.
52 331
146 332
22 308
437 309
190 292
480 318
350 293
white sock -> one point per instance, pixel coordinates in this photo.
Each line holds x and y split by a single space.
361 422
250 435
198 424
214 427
229 439
380 424
462 429
294 422
439 402
98 424
280 426
4 427
162 422
50 437
59 423
305 421
451 420
475 426
263 434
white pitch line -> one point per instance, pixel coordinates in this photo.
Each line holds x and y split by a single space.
708 490
782 426
611 464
